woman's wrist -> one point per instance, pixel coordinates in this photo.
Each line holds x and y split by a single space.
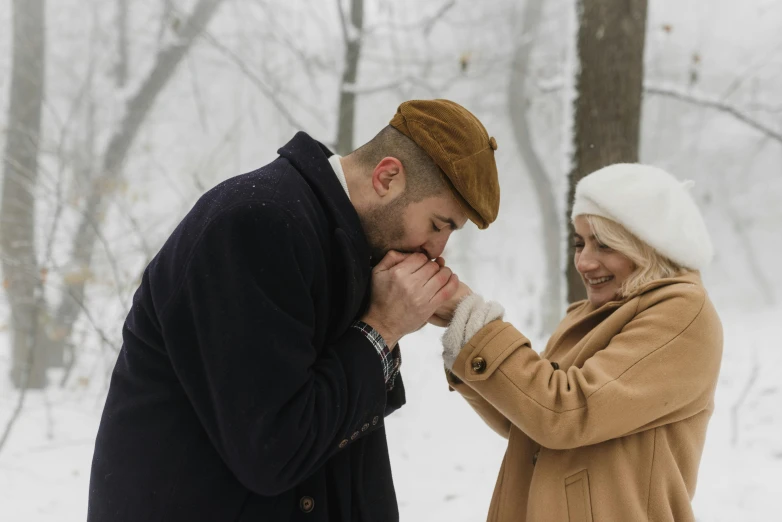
472 314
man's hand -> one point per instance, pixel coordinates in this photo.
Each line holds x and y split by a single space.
444 314
407 289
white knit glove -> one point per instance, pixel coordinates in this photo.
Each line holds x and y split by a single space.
472 314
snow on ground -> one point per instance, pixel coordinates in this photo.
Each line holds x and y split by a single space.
445 460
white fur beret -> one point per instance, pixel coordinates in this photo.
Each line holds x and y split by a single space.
653 205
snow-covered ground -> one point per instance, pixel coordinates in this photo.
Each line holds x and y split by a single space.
445 460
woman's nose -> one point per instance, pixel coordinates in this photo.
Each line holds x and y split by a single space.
586 262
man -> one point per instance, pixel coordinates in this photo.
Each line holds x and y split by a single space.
246 388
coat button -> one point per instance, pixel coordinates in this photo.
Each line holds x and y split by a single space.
343 444
354 436
374 421
307 504
365 427
479 365
555 365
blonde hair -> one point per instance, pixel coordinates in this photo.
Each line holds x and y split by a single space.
649 264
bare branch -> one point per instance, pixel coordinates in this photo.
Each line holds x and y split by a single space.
122 43
703 100
197 96
402 82
735 410
713 103
136 227
764 286
59 207
765 108
68 367
110 258
750 72
255 80
426 24
82 94
47 403
101 333
549 85
14 416
342 21
165 19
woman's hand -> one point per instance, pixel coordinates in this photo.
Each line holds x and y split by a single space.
444 314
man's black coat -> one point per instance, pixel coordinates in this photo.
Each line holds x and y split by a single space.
241 392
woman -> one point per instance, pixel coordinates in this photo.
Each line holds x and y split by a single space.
608 424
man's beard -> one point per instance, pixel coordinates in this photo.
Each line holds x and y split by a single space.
384 228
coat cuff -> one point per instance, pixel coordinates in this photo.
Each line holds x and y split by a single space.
472 314
487 350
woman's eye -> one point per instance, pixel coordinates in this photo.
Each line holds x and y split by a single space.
578 246
434 227
603 247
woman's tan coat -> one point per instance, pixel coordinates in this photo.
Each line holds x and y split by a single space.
609 423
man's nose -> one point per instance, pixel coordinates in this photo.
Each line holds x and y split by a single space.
434 248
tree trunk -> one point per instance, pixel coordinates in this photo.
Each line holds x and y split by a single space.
22 279
611 39
347 95
518 101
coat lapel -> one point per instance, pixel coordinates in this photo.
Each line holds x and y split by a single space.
350 285
577 326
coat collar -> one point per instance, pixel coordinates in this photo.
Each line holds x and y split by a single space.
587 308
311 159
693 278
582 317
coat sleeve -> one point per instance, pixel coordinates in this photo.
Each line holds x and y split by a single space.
490 415
240 334
661 368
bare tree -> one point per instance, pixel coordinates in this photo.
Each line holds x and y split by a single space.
17 216
40 332
352 35
611 38
138 107
518 102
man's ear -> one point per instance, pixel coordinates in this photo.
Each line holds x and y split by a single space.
389 178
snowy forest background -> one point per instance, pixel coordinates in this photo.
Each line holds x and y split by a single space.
145 105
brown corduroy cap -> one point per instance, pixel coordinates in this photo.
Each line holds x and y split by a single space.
459 144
